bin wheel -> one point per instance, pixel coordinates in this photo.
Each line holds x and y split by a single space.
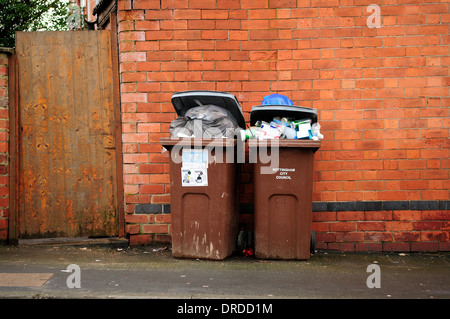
245 240
312 246
242 240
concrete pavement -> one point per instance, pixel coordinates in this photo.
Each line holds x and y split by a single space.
151 272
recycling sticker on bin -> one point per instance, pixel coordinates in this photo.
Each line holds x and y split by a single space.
194 168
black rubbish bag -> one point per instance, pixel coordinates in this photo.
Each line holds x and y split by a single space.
205 121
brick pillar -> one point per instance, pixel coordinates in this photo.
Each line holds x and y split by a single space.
4 144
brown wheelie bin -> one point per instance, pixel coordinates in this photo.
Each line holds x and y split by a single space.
203 184
283 190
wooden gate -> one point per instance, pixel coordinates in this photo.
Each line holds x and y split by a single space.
67 135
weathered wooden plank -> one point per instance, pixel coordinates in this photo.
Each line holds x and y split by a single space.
117 121
67 150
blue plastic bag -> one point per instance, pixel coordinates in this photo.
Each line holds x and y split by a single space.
276 99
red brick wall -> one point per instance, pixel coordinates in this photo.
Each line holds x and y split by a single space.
4 151
382 95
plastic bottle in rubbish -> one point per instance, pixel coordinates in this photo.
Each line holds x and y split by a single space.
277 121
280 127
290 133
252 132
283 121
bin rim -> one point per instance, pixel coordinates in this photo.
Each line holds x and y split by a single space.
288 143
197 142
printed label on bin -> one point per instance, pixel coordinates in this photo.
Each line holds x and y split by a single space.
194 156
194 170
283 173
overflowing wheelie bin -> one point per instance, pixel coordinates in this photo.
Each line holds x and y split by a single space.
283 180
204 179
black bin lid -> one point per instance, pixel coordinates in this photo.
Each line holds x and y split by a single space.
183 101
268 112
